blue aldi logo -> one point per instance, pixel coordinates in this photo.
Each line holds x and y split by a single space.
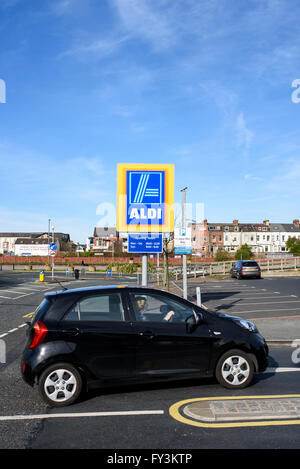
145 197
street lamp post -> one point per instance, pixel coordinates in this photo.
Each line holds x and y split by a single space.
184 267
49 221
53 256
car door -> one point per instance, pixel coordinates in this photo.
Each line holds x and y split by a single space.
98 332
165 348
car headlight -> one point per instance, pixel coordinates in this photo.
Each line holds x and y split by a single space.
250 326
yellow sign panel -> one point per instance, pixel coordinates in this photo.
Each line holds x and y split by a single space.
145 198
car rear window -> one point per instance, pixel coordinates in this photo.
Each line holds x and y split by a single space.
250 264
41 310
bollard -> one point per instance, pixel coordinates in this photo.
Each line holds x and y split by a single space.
42 276
198 294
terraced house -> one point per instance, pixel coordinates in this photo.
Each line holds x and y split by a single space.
262 237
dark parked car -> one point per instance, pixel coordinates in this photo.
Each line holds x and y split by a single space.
242 269
101 336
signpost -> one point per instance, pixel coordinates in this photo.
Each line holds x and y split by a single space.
52 252
145 206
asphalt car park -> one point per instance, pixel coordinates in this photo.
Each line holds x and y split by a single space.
141 416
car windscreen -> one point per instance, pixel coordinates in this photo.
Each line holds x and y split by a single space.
250 264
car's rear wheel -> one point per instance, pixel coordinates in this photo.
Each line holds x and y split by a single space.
60 385
235 370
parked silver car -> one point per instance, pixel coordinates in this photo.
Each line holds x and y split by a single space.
242 269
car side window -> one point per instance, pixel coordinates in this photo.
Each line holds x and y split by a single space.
158 308
104 307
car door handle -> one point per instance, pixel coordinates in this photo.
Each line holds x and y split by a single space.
147 334
72 331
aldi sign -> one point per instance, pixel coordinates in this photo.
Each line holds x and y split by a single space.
145 197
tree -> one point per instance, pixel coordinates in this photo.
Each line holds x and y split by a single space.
168 243
244 253
222 255
293 246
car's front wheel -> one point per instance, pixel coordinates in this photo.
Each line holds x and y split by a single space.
235 370
60 385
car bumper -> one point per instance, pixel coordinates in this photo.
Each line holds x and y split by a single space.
251 273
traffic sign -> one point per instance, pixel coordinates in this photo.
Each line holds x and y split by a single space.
145 198
52 253
108 272
145 242
52 247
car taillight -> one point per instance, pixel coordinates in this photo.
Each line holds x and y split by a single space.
40 331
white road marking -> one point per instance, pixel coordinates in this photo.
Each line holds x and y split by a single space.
280 370
252 298
265 311
81 414
272 303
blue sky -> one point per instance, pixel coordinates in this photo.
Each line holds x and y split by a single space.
205 85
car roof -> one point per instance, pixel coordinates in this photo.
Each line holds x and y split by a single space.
93 289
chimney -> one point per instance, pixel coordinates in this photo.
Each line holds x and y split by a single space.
296 223
266 222
235 222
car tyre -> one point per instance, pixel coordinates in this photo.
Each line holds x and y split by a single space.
60 385
235 370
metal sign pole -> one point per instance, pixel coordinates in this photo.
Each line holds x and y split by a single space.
184 268
53 256
144 270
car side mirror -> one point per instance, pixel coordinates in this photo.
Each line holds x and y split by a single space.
192 322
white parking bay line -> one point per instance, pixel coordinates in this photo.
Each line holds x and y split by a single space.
81 414
11 291
271 303
281 370
265 311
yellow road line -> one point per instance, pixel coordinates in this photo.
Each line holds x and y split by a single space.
28 315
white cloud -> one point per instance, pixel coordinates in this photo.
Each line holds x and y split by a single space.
243 134
98 49
141 19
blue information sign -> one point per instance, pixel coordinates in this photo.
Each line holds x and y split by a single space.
52 247
145 242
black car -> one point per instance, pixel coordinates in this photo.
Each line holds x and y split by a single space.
243 269
100 336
